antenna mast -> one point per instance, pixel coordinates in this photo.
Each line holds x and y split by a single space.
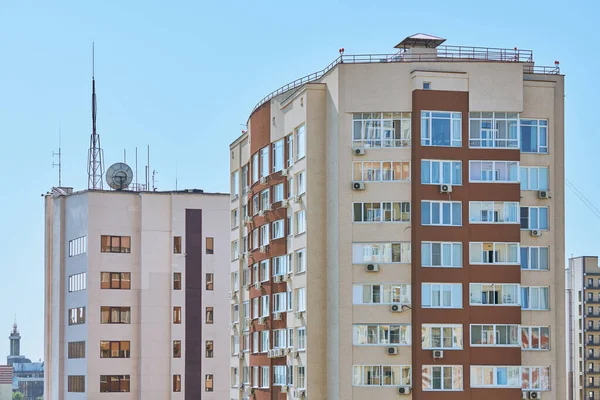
59 164
95 154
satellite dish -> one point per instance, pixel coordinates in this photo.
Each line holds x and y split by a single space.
119 176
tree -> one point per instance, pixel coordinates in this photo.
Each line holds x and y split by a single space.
40 398
18 396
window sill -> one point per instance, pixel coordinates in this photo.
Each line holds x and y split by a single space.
299 234
494 223
440 266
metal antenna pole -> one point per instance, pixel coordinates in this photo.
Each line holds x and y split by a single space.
95 154
59 164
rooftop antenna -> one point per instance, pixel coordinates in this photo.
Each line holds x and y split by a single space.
175 176
154 180
95 154
59 164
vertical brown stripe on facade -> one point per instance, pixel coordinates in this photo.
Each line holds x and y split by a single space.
459 102
260 128
193 304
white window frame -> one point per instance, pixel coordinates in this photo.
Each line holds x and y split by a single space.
278 193
300 222
300 183
529 256
377 130
235 221
527 172
278 155
456 337
455 178
455 121
255 168
363 334
476 293
476 250
539 220
256 204
255 376
300 134
265 345
453 248
300 299
264 235
430 204
264 199
542 132
360 371
264 306
265 169
235 184
301 339
491 336
263 268
300 260
289 139
300 377
279 338
543 384
280 375
255 343
493 212
528 333
278 229
381 171
381 253
539 290
389 212
387 293
457 380
279 302
513 381
235 253
493 175
264 375
279 265
430 287
491 138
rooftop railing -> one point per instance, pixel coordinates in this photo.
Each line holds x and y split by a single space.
442 54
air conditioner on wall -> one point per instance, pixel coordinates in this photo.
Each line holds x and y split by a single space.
544 194
403 390
391 351
536 233
359 151
445 188
372 267
358 186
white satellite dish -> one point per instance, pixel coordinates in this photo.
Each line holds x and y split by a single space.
119 176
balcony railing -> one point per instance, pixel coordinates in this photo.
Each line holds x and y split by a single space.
592 357
442 54
592 286
593 343
592 329
592 315
592 301
592 385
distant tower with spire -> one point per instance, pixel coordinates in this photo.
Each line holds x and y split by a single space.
15 341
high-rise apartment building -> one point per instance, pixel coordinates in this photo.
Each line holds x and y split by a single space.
583 327
136 295
398 230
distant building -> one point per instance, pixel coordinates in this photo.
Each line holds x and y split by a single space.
26 377
136 295
6 378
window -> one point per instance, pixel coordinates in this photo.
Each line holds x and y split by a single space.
264 200
114 383
235 251
388 293
115 349
235 185
176 315
426 85
264 306
535 338
176 348
77 316
290 338
246 275
115 315
535 378
534 218
209 348
381 375
255 275
255 168
300 299
442 378
494 253
177 281
255 342
490 212
300 142
115 280
209 315
493 130
301 341
534 136
382 253
235 345
279 265
246 375
255 241
177 383
264 270
264 341
494 171
489 376
441 337
76 384
382 335
495 335
290 150
277 192
78 246
300 261
535 298
115 244
290 300
279 375
534 178
441 254
381 171
264 234
210 245
76 349
441 128
235 281
235 221
448 213
77 282
289 225
301 377
487 294
279 302
255 204
535 258
234 377
210 281
381 129
300 222
279 339
436 172
246 311
245 179
300 183
382 212
441 295
264 162
235 313
264 377
278 155
208 383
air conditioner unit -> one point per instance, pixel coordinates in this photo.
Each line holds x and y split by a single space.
276 316
246 287
241 387
285 203
286 351
403 390
358 186
284 389
284 172
534 395
299 394
263 180
437 354
372 267
445 188
359 151
391 351
241 355
270 353
247 323
536 233
396 308
231 295
543 194
297 199
246 189
261 213
249 391
262 249
247 219
288 277
277 279
262 320
294 354
244 256
298 314
258 285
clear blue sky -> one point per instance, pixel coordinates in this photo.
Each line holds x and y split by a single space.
182 77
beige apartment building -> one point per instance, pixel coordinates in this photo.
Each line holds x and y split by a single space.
583 325
397 230
136 300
